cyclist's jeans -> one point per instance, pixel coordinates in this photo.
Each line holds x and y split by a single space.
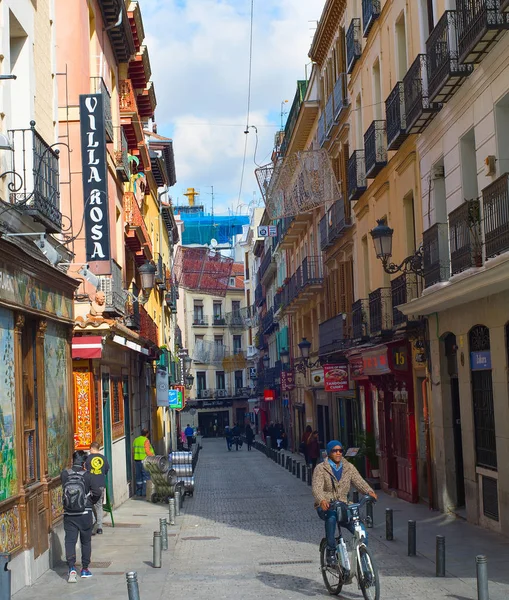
331 522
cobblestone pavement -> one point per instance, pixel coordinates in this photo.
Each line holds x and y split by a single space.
250 532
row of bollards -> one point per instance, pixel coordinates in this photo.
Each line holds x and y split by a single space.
295 467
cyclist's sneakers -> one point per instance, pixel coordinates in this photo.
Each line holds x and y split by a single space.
331 557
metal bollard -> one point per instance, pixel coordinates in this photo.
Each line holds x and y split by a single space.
389 524
481 563
440 556
412 538
5 576
355 497
163 529
298 470
369 515
310 475
304 473
157 550
268 441
294 467
171 509
177 504
133 591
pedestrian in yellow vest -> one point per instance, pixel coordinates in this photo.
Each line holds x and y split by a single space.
141 449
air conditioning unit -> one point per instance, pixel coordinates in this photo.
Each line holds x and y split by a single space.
221 393
206 393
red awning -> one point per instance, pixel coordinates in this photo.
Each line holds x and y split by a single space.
88 346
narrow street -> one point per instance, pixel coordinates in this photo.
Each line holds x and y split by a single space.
250 532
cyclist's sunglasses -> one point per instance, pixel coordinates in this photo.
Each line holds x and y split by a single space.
340 450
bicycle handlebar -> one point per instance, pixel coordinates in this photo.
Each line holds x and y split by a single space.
359 505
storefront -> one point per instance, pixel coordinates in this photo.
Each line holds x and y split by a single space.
386 385
36 444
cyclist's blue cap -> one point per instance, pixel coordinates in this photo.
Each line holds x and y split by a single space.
332 444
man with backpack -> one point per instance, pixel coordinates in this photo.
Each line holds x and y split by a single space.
80 492
98 467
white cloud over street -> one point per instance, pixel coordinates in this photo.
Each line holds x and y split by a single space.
199 52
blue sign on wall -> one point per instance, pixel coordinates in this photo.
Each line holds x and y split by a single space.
173 398
480 361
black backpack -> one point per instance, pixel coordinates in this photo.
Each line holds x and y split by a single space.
74 492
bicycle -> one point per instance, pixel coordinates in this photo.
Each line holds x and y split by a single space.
362 564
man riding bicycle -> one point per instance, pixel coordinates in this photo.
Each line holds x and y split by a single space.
331 482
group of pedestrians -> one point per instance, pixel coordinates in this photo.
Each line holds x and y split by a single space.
233 436
83 488
277 435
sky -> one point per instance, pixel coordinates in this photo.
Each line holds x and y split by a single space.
199 53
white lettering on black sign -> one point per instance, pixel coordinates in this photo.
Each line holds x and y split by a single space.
95 177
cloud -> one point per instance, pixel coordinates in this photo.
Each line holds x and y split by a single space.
199 51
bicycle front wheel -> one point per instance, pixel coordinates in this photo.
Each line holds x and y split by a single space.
332 576
367 573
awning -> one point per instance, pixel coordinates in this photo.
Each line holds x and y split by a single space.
87 347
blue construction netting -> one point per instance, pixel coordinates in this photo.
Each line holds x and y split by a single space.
200 228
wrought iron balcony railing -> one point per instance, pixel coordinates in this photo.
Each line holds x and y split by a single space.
480 25
370 13
333 335
353 44
277 301
293 115
419 110
259 295
268 264
218 321
329 114
436 254
403 289
340 94
312 271
465 237
200 320
396 117
445 72
122 158
357 182
375 147
321 135
113 288
33 179
268 323
495 199
148 329
338 221
99 87
380 311
133 312
360 319
324 232
137 233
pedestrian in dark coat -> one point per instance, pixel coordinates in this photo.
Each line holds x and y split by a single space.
314 449
249 436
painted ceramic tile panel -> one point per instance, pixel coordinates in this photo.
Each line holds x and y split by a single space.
8 470
56 380
10 530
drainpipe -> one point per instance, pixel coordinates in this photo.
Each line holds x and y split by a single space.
425 410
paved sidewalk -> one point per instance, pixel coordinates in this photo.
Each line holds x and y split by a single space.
250 532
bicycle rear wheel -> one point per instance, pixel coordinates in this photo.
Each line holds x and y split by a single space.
332 576
367 573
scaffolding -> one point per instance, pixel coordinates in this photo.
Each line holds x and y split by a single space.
202 270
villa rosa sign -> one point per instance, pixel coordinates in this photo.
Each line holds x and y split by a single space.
95 177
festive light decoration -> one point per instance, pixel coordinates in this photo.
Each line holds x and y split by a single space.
202 270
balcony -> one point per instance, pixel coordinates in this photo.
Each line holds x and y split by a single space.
353 45
268 322
122 158
419 110
34 187
293 115
321 135
338 221
375 148
329 115
161 272
312 272
113 288
445 72
119 30
436 254
99 87
332 335
147 102
277 302
129 118
200 320
137 237
340 94
357 182
396 117
380 311
148 329
495 199
133 312
259 295
465 237
360 320
403 289
370 13
218 321
267 266
324 232
139 68
480 25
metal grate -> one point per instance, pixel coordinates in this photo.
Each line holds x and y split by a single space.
98 565
124 525
201 537
490 498
286 562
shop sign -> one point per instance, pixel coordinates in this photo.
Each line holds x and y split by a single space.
162 387
376 362
356 367
215 404
317 378
176 397
336 378
480 361
95 177
252 372
269 395
287 381
399 358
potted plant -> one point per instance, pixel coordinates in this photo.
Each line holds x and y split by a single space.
367 443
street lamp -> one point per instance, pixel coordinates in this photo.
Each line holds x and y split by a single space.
303 364
266 361
147 273
284 355
382 240
304 347
189 379
188 361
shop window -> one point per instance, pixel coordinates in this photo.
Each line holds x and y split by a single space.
220 380
482 397
239 380
30 402
117 407
98 413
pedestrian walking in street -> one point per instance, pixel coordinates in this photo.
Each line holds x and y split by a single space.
141 449
79 493
303 447
98 466
313 449
189 433
229 438
283 445
236 437
249 433
331 481
265 432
